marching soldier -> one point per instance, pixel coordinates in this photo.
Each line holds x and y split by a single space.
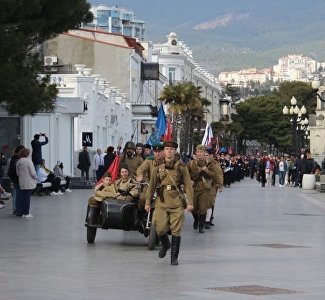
202 174
166 179
216 186
145 169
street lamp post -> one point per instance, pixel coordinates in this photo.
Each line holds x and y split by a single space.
315 84
296 121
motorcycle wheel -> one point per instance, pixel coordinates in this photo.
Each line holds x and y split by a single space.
91 234
153 237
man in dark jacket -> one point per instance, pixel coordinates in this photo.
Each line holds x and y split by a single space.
109 157
84 163
37 150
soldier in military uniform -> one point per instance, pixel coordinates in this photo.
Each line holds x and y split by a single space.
166 180
217 185
145 169
202 174
130 159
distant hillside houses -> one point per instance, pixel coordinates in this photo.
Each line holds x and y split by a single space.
290 68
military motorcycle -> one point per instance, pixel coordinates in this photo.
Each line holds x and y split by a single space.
121 215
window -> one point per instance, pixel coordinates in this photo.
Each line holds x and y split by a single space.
171 75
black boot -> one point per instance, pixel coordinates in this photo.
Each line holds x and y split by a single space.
176 241
196 221
165 245
211 219
207 225
201 223
93 215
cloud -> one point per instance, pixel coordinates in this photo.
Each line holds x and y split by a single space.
220 21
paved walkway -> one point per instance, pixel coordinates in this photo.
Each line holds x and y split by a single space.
268 242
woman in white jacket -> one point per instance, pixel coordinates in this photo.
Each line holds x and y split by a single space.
27 183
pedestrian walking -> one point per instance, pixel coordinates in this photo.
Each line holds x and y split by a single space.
203 172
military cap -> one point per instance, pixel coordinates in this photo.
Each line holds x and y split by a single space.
170 144
148 146
156 147
139 145
200 147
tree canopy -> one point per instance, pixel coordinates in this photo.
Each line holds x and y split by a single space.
187 108
261 118
24 25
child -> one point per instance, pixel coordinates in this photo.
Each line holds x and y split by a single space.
104 190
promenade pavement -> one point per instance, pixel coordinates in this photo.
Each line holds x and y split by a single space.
267 243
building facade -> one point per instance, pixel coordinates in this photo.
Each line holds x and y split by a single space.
116 19
176 63
119 60
295 68
242 78
83 105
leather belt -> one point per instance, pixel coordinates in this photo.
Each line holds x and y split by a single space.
169 187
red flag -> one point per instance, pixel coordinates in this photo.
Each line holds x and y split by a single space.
113 169
168 132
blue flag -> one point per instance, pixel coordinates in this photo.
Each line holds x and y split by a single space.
160 128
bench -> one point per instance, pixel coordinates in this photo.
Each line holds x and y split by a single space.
320 185
45 188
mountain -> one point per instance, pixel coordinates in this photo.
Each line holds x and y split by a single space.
235 34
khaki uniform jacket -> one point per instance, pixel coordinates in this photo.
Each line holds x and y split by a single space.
133 163
203 179
162 177
126 186
108 191
219 181
146 168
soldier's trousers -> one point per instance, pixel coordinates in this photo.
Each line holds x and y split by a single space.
168 218
213 196
201 201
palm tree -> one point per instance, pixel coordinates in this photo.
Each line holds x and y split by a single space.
186 106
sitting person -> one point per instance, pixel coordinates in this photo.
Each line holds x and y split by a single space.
45 175
317 173
58 171
106 189
3 196
126 189
103 190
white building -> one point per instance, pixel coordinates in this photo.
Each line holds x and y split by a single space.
118 59
176 63
295 68
116 19
83 105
